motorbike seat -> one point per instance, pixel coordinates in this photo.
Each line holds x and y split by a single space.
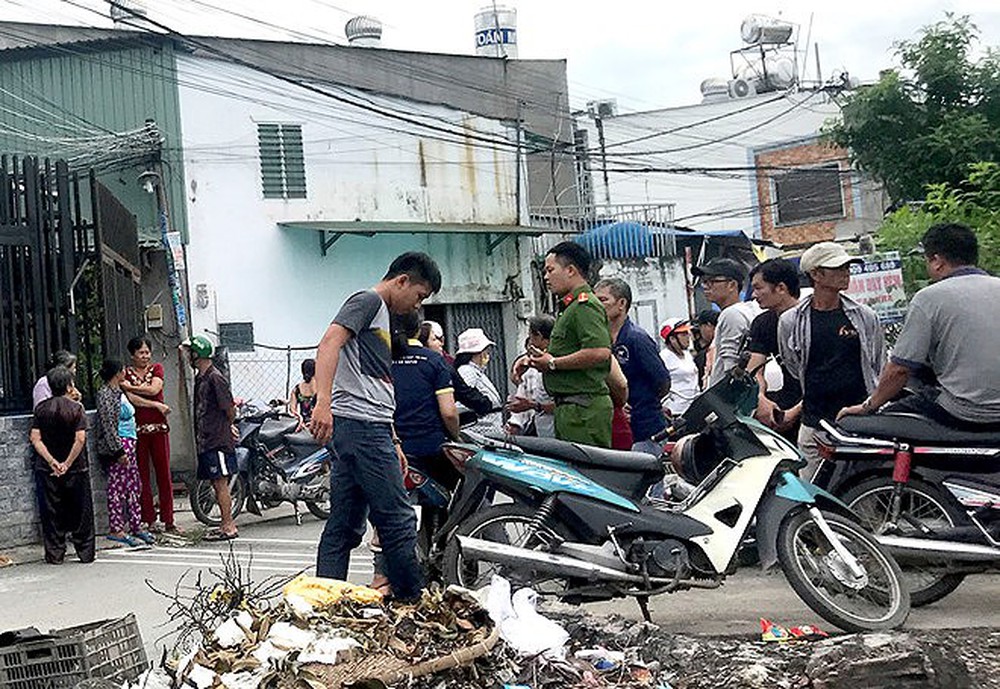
274 428
303 437
588 455
916 429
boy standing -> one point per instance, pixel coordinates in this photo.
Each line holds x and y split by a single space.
214 412
355 403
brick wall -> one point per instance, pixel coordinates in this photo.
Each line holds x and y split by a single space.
19 524
804 154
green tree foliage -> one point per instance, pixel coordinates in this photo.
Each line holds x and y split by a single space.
927 122
975 202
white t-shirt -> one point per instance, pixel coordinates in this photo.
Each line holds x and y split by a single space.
683 381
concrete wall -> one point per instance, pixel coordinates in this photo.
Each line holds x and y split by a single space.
19 523
726 135
659 289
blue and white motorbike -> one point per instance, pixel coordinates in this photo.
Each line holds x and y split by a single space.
581 528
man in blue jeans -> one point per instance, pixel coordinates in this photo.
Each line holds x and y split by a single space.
355 404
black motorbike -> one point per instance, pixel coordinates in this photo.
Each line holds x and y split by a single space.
931 494
276 464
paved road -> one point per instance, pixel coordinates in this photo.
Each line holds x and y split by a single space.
47 597
51 597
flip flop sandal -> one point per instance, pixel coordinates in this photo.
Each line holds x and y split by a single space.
217 536
145 537
124 540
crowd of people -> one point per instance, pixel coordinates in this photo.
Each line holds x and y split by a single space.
383 391
132 449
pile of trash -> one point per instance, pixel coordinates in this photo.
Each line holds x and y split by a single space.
312 633
318 633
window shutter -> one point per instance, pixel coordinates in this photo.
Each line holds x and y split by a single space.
295 165
282 162
809 194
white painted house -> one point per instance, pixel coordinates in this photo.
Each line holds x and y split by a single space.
295 200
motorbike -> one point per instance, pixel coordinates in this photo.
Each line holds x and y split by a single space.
581 527
276 464
929 493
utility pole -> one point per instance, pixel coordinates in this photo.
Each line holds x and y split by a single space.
604 158
517 163
155 178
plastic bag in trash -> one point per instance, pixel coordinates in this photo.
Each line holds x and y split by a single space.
520 624
769 631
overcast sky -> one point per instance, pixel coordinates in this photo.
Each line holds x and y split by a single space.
647 54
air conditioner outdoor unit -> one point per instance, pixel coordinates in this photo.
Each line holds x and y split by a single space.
742 88
602 108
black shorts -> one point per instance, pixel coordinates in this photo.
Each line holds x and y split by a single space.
215 464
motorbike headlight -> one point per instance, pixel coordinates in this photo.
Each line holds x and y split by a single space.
458 455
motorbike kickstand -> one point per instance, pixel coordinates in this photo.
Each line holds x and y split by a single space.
643 602
298 515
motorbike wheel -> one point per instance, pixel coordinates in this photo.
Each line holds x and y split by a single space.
506 524
321 508
921 503
822 580
203 503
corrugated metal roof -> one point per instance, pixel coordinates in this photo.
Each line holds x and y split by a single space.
88 89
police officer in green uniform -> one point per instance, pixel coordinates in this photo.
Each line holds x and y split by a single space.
578 360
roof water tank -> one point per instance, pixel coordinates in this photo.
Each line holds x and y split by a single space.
714 89
364 32
780 72
496 32
758 28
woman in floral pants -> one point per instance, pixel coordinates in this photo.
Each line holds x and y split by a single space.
116 440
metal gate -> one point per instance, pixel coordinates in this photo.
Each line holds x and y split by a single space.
120 277
489 317
53 288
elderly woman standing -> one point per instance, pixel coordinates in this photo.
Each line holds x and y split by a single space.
116 440
474 349
58 436
144 379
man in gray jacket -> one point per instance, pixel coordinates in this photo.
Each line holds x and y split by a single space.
832 344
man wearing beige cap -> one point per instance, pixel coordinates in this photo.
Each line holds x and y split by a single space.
833 345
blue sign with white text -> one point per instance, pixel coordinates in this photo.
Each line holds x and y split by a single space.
495 37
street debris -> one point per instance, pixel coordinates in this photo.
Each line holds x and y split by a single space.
312 632
6 561
769 631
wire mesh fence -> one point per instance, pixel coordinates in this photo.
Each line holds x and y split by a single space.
268 372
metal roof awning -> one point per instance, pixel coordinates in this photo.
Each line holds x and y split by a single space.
329 231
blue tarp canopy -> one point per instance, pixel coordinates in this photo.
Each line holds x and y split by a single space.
632 239
626 239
